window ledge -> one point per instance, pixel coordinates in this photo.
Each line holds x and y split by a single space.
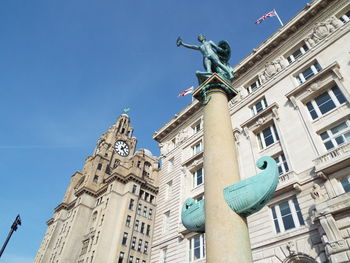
192 158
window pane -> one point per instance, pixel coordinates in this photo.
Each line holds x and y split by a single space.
288 222
297 54
311 110
338 94
268 136
325 103
339 128
318 67
324 135
346 185
339 140
259 107
329 145
297 208
305 47
308 73
284 207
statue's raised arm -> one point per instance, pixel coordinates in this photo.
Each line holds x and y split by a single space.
215 57
179 42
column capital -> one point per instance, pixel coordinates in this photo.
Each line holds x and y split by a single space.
214 83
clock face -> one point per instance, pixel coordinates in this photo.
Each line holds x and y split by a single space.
122 148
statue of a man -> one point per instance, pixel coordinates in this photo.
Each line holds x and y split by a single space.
215 57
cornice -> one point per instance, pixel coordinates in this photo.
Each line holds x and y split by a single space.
66 206
177 120
310 10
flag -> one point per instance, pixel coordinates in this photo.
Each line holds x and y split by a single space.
270 14
185 92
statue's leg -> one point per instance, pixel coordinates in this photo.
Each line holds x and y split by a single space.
207 63
227 69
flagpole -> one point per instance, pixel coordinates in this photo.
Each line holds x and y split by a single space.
279 19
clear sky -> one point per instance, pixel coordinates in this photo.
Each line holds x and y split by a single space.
69 67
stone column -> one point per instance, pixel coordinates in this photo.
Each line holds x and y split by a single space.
227 238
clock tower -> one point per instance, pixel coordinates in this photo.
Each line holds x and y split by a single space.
107 212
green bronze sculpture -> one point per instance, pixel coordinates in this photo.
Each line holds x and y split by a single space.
245 197
215 57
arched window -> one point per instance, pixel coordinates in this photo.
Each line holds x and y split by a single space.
299 258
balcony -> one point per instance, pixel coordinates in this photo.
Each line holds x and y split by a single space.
287 179
333 160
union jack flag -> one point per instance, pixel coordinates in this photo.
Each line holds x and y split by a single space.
270 14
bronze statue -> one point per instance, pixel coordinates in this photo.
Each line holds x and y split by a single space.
215 57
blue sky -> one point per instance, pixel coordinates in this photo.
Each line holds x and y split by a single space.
67 70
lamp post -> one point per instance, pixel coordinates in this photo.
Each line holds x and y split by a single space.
13 228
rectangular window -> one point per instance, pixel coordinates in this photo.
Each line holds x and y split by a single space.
139 207
145 249
125 238
131 204
268 136
297 53
287 215
137 260
136 226
336 136
95 178
345 182
121 257
325 102
127 222
308 73
145 211
142 227
166 221
131 259
134 188
198 177
282 164
133 242
197 148
197 127
197 247
139 245
346 17
148 231
254 85
258 107
150 213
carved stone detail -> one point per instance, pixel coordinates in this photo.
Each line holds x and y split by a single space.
260 122
314 86
316 193
275 113
322 30
272 68
181 136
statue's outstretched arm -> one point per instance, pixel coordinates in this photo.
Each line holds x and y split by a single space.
179 42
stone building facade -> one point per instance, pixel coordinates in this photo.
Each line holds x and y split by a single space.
293 105
107 212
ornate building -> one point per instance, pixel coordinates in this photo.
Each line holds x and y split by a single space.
108 210
293 105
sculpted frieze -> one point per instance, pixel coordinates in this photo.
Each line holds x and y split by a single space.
323 29
272 68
